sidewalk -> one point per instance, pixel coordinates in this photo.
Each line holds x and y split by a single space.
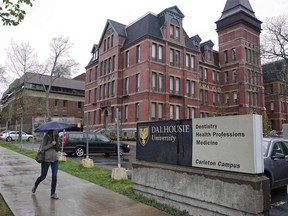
77 196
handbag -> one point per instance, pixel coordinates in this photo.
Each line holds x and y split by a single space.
40 156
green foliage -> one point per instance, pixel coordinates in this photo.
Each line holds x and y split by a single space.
11 12
4 208
103 178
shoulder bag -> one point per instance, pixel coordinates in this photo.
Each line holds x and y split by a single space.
40 155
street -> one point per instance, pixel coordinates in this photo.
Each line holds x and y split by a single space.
279 206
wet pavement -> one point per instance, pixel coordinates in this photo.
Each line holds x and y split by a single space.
77 196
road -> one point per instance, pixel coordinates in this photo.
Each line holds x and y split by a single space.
279 205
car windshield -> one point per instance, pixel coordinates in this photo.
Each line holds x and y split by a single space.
266 145
102 138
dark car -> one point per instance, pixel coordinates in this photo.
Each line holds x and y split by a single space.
74 143
276 161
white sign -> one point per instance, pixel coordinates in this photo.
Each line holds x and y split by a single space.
231 143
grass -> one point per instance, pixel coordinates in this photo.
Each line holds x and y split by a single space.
103 178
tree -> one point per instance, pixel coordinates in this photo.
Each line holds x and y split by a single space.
21 58
275 39
59 64
12 13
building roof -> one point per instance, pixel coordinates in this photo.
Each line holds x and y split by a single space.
40 79
237 11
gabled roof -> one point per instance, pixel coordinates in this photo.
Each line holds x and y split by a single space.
174 10
118 28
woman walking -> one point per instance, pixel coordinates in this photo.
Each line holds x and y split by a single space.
50 146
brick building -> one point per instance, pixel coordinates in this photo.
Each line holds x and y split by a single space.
276 93
152 70
66 101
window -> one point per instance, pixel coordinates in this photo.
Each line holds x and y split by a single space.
233 52
109 65
271 88
235 98
95 94
193 63
104 44
214 76
160 57
214 97
64 103
94 117
171 112
126 113
201 73
127 59
206 97
193 112
112 41
154 54
112 114
201 96
137 108
160 77
153 112
225 56
138 54
177 113
188 88
55 102
137 82
178 58
171 57
108 89
234 76
193 89
227 99
177 87
206 74
154 77
90 75
218 77
187 61
89 97
101 92
104 91
160 111
272 106
226 78
79 105
171 85
126 86
114 63
188 113
108 43
171 31
177 33
112 88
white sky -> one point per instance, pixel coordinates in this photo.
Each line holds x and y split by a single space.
83 22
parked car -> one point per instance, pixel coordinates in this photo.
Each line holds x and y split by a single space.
276 161
74 143
14 135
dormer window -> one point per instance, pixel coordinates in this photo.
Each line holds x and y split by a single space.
171 31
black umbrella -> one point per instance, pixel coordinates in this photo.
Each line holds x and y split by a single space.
52 125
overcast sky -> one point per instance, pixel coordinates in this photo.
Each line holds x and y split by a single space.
83 22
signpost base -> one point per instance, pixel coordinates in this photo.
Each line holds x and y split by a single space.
88 163
62 157
119 173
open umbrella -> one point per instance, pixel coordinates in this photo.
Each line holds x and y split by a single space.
52 125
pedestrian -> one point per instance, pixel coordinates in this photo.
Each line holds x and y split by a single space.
50 145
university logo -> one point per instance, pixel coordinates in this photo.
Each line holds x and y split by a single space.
143 133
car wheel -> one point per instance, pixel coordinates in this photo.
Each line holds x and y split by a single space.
9 139
29 139
79 151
